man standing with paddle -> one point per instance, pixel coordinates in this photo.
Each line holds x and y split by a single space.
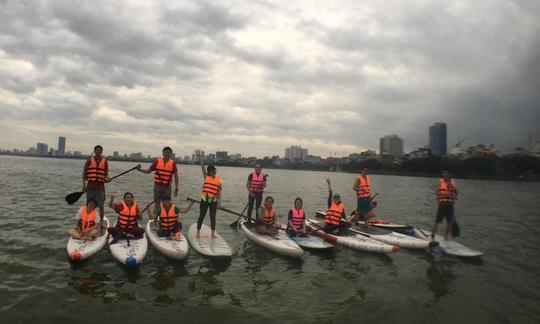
164 170
94 176
446 195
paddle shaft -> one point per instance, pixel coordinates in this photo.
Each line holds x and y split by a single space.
121 174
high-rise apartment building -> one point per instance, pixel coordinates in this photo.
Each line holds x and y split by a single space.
437 139
391 145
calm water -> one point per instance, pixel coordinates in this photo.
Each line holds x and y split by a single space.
38 282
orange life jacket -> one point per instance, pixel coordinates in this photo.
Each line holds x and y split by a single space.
444 189
334 213
87 219
96 171
256 182
297 217
127 217
363 187
167 219
268 216
163 172
211 186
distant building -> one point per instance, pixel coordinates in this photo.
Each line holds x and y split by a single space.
115 154
480 150
137 155
537 147
61 146
42 149
296 152
437 139
391 145
221 156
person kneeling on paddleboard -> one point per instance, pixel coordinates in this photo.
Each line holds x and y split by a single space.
297 219
169 218
87 227
335 220
128 215
267 222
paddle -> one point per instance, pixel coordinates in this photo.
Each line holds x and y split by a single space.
74 196
234 224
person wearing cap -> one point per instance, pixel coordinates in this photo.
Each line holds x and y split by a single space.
169 217
334 219
210 195
164 170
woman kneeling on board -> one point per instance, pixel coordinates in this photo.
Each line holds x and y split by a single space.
267 222
87 227
128 216
334 220
169 218
297 219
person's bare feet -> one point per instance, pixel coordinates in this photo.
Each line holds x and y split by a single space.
214 235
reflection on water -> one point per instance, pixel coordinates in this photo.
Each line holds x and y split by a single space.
439 275
88 283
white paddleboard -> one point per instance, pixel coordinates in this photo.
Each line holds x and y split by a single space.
79 250
175 249
279 243
206 245
311 242
390 237
129 252
449 247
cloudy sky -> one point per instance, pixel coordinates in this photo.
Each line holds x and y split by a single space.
256 76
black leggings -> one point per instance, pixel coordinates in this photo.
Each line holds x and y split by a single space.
257 200
202 214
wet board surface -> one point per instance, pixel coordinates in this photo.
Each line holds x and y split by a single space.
311 242
172 248
279 243
79 250
129 252
449 247
206 245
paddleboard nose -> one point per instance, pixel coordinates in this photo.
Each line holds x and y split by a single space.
433 244
75 255
395 248
131 261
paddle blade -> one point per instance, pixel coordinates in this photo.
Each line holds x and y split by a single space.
73 197
455 229
234 224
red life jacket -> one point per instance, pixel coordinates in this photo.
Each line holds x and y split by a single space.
167 219
334 214
268 216
444 189
298 217
163 172
256 182
211 186
96 171
87 219
127 217
363 187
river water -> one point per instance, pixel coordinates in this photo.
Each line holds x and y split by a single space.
39 284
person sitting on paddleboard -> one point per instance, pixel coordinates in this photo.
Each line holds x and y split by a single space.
169 218
446 195
267 222
87 227
128 217
334 219
356 216
297 219
210 195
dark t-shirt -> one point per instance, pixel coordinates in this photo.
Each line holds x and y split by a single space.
96 184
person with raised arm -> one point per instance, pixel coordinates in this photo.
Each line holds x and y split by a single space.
210 195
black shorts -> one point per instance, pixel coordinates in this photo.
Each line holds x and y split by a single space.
445 211
161 232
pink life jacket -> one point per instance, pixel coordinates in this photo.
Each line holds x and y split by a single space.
256 182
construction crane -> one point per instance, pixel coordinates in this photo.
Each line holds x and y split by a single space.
458 144
456 149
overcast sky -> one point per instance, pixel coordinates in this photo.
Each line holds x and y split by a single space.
254 77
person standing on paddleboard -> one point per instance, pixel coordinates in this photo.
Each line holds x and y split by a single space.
210 195
334 219
169 217
296 224
255 185
362 186
446 195
164 170
267 222
87 227
95 174
129 214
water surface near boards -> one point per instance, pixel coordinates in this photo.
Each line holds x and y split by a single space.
37 282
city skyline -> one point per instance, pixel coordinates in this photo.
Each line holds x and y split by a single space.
332 77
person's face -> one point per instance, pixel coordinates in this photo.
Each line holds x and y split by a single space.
268 203
297 204
337 200
167 154
446 174
212 173
128 199
364 171
98 151
90 206
167 203
258 168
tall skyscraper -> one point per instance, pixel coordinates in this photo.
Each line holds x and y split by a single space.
391 145
61 146
296 152
42 149
437 139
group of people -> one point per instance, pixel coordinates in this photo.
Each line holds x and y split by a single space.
166 214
